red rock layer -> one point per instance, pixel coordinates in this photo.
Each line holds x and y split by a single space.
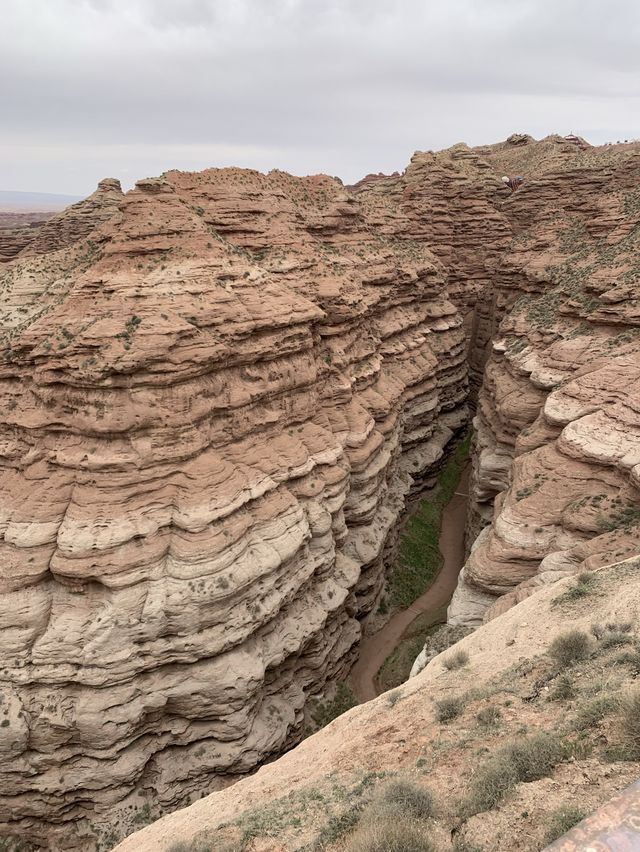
214 407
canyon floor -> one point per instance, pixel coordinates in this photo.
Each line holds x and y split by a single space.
375 649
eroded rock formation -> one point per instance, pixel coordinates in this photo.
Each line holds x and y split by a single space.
24 234
214 408
220 390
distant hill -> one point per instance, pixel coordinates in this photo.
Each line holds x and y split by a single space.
10 200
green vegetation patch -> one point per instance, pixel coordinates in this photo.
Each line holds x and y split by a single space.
397 667
562 820
585 585
419 558
323 712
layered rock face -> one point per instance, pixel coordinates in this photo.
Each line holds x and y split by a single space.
557 458
215 405
451 202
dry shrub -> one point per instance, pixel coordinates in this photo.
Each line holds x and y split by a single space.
570 648
407 798
526 759
629 722
449 708
378 835
594 711
488 716
563 689
563 820
456 660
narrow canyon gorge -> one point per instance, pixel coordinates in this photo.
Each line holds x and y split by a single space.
224 393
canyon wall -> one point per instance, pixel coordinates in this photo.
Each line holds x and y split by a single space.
451 202
215 403
556 466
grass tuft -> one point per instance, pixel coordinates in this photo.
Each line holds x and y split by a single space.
456 660
563 689
526 759
399 836
590 714
407 798
585 585
488 716
629 723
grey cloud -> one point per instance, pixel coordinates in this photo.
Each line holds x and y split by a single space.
343 86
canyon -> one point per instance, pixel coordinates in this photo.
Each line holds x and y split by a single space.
223 392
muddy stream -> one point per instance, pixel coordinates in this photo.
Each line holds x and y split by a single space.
375 649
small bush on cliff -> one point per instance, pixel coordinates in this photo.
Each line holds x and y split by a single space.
449 708
614 639
456 660
526 759
585 585
593 712
563 690
203 845
535 756
561 821
570 648
378 835
407 798
488 716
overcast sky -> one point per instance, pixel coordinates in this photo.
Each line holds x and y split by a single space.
130 88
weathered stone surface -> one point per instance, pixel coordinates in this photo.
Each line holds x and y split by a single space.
39 233
290 804
450 201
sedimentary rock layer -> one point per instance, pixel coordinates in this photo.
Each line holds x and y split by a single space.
214 405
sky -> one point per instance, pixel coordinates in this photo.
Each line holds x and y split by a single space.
131 88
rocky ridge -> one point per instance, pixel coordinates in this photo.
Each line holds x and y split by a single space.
17 230
23 234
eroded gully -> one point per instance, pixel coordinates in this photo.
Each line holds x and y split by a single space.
375 649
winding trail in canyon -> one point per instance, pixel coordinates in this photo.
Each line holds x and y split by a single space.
375 649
